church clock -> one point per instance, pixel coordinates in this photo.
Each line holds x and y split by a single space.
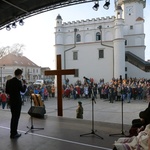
129 10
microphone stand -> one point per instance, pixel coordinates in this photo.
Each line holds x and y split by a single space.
32 126
93 130
122 130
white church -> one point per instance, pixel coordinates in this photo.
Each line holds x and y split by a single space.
105 48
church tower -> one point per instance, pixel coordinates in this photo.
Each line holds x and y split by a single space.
119 46
59 43
134 25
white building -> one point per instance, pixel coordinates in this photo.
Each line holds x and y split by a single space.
104 48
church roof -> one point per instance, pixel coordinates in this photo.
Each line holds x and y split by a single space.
16 60
139 19
58 17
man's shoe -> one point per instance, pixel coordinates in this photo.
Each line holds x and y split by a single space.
15 136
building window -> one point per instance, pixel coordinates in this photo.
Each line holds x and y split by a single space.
98 36
76 73
125 68
125 42
78 38
75 55
131 27
101 53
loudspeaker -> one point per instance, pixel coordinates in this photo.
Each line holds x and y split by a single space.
37 111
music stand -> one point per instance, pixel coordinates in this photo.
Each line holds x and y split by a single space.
93 130
32 126
122 130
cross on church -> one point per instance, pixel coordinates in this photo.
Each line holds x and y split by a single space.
59 72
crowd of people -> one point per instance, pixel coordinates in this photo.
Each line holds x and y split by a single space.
115 90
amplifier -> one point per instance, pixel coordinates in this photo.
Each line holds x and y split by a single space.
37 111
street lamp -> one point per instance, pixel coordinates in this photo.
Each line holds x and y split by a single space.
2 67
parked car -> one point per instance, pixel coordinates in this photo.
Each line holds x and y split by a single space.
38 82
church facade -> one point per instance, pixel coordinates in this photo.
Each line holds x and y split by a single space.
100 48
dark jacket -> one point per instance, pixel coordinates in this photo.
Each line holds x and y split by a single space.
13 88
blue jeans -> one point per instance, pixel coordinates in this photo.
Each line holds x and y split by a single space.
128 97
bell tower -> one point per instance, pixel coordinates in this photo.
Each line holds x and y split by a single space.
132 9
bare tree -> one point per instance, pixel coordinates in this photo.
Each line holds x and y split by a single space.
15 49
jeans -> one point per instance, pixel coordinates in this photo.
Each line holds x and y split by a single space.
128 97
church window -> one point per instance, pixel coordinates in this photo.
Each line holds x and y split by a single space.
125 42
75 55
131 27
101 53
76 73
78 38
126 58
98 36
125 68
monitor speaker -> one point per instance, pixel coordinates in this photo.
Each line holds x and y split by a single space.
37 111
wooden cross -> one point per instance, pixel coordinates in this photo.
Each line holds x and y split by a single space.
59 72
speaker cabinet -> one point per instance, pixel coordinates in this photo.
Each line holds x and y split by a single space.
37 111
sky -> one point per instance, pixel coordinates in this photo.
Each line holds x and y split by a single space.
37 34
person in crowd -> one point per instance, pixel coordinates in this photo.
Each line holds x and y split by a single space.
53 90
74 93
49 90
37 90
3 99
42 92
95 90
144 86
81 90
45 94
106 91
148 93
13 88
86 92
139 92
0 98
78 93
79 111
90 93
111 93
129 90
100 90
119 92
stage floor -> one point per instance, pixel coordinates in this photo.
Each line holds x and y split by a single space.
59 133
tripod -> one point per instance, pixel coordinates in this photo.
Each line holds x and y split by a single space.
32 126
122 131
93 130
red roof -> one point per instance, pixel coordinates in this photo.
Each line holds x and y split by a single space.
16 60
